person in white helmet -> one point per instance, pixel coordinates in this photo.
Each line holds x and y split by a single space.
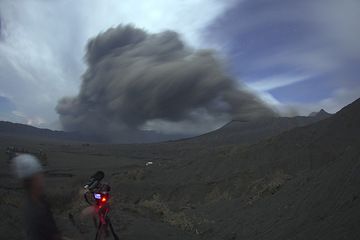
40 224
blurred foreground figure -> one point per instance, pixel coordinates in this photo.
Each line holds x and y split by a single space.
40 224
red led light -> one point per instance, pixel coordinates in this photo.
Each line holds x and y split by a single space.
103 199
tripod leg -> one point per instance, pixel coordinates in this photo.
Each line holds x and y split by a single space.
95 222
112 229
99 231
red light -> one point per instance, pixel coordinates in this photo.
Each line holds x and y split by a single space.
103 199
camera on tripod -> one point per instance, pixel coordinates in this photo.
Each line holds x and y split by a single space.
100 195
99 191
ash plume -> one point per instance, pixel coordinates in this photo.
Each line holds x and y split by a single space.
134 77
1 28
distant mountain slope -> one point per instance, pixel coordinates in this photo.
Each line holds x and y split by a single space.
127 136
237 131
22 130
231 133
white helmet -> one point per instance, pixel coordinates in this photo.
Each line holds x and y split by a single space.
26 165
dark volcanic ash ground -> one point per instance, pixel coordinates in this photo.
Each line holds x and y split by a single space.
301 184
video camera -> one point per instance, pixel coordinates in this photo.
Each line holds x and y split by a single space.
94 180
100 192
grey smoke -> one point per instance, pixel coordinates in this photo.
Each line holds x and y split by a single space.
135 77
1 28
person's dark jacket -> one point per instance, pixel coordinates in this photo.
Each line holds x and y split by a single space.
40 224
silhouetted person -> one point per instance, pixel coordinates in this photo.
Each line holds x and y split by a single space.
40 224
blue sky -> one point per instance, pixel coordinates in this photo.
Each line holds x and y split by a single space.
302 53
298 56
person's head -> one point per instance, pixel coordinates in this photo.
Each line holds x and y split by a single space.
29 170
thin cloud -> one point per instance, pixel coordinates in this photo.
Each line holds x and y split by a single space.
278 81
271 38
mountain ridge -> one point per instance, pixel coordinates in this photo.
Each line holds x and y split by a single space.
243 130
249 132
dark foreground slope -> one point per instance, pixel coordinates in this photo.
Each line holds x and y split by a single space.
301 184
305 184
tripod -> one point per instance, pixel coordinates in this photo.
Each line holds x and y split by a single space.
104 224
100 195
